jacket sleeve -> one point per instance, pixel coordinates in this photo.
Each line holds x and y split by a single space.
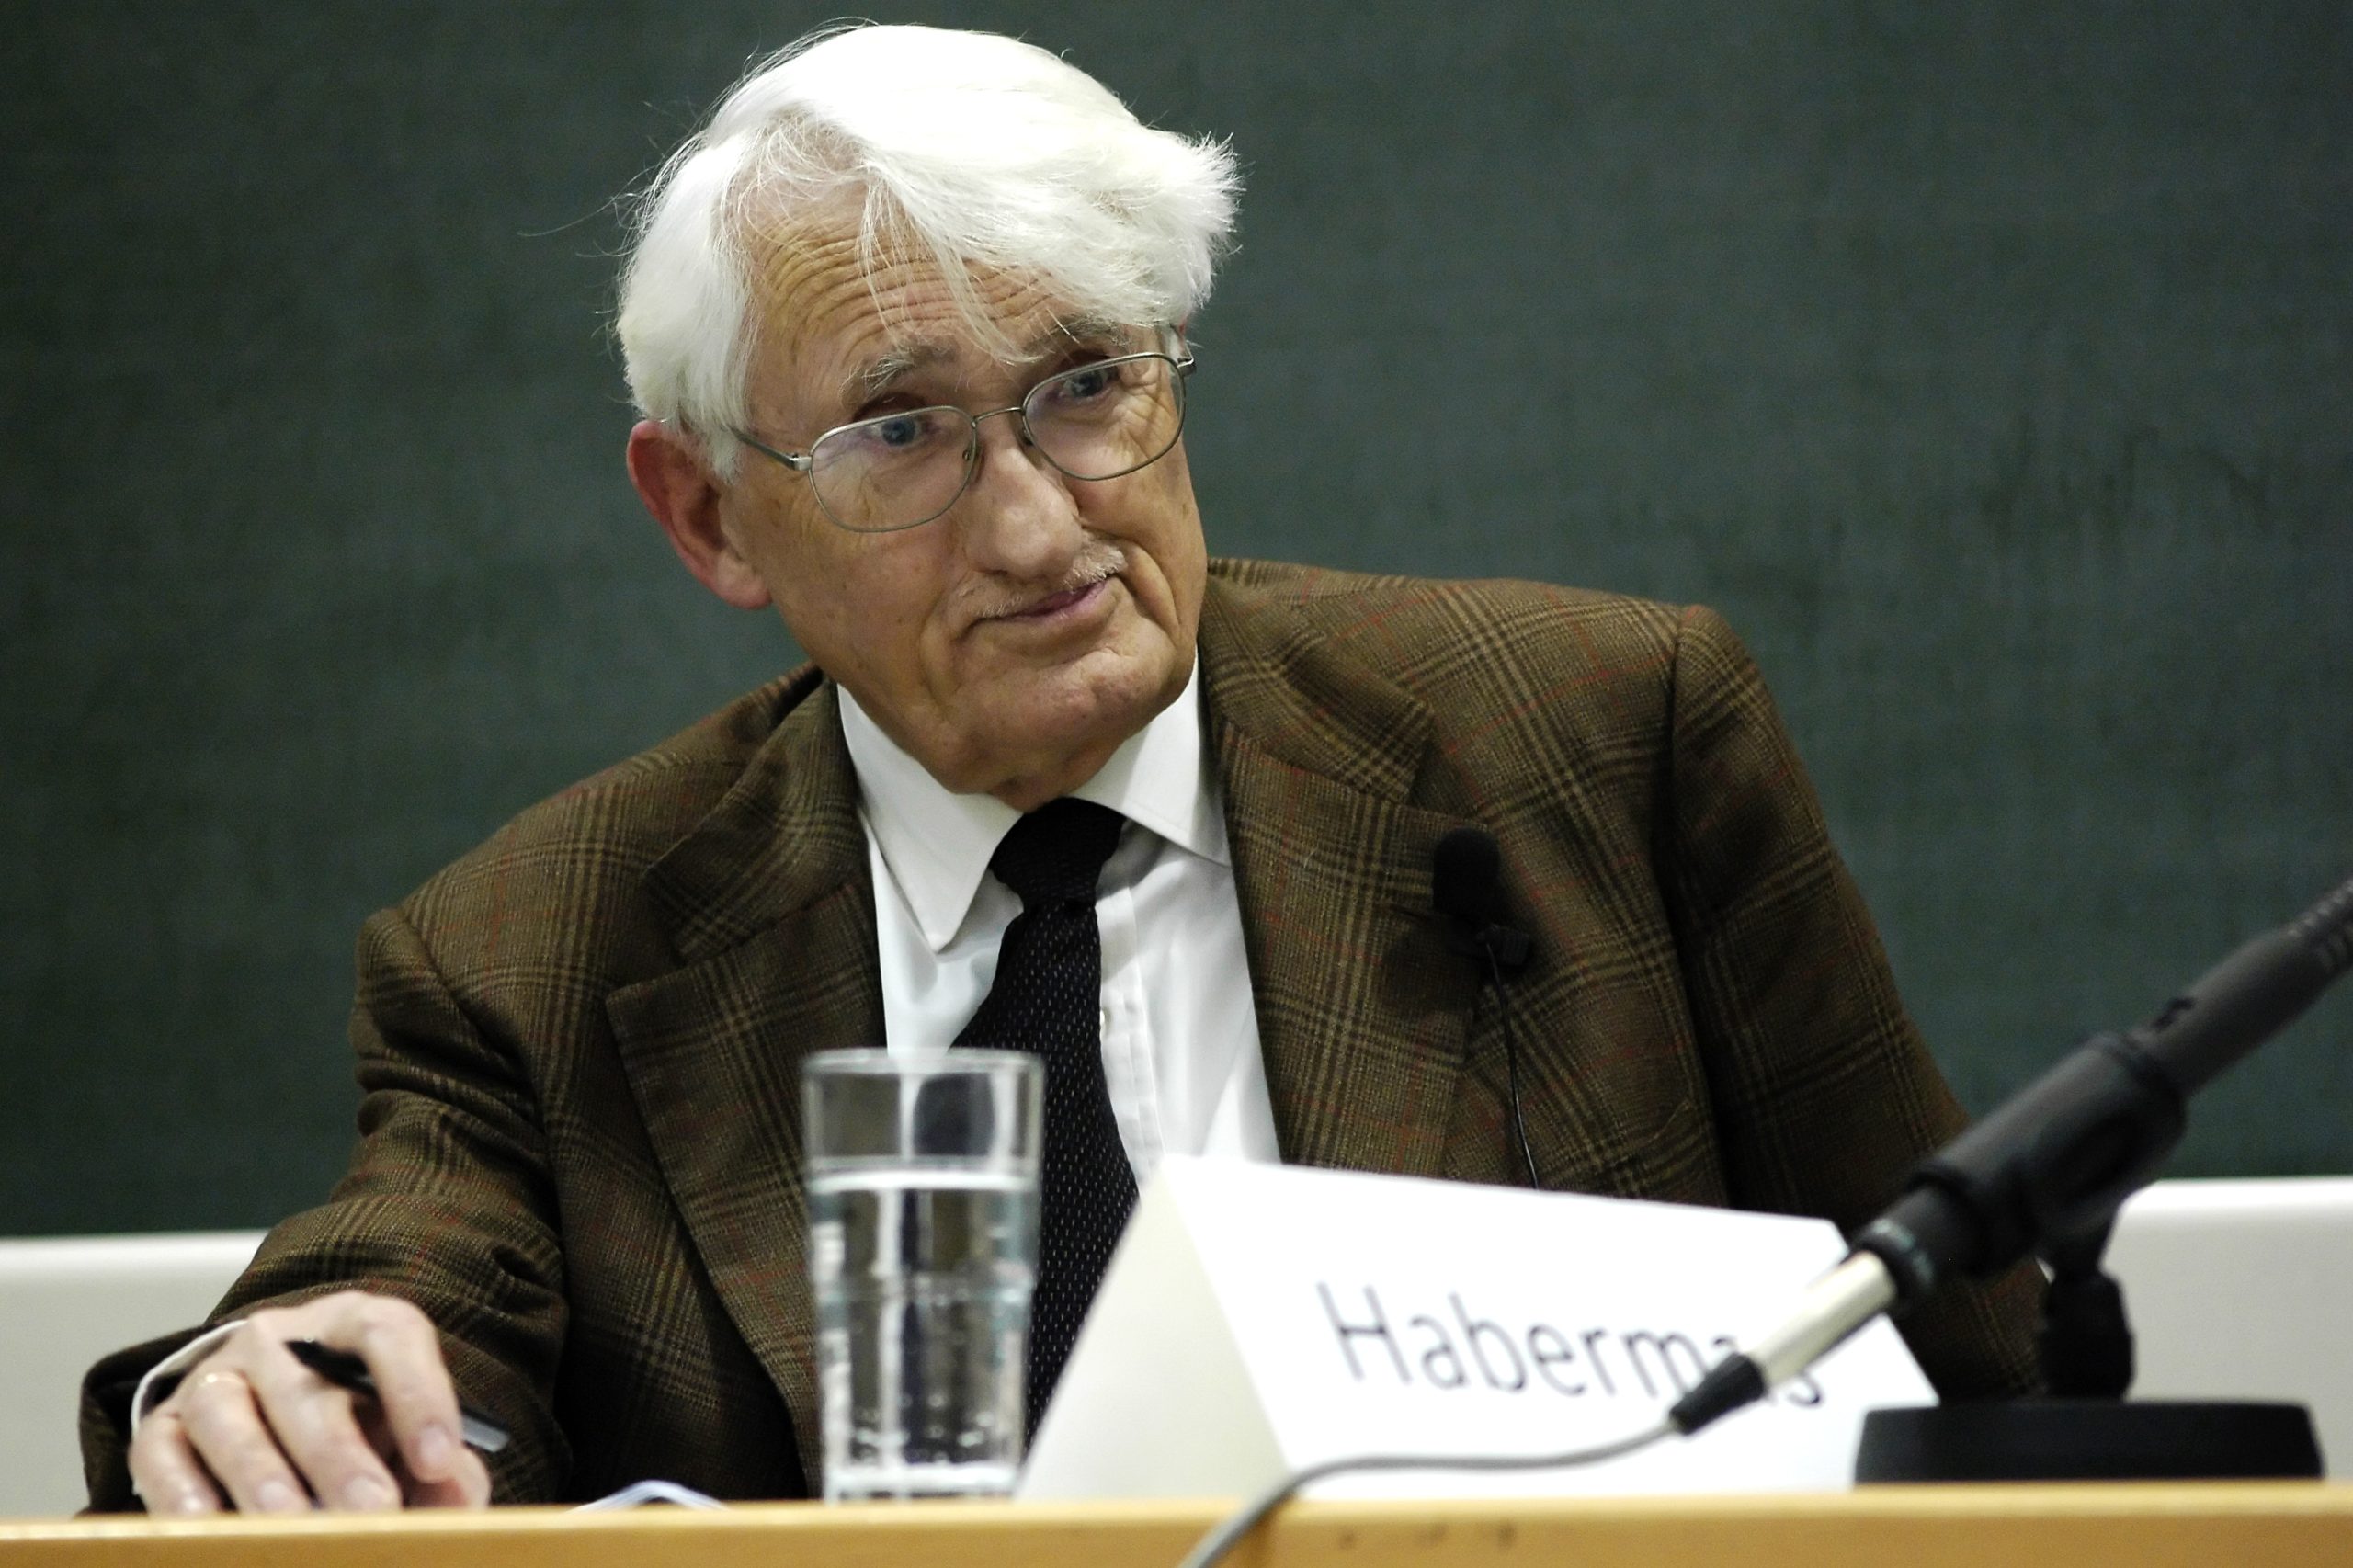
1825 1096
447 1203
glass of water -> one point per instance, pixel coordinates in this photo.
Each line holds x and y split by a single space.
923 1247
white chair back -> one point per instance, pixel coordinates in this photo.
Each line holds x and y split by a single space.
2244 1289
65 1301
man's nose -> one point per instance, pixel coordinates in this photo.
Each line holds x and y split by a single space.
1018 516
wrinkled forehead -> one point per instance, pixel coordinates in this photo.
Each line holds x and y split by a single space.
833 323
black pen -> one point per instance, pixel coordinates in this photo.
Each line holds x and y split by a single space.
346 1371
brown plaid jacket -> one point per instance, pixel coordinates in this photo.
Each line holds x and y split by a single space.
578 1045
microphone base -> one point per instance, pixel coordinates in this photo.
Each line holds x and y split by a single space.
2088 1439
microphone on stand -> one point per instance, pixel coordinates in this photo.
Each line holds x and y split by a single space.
2048 1169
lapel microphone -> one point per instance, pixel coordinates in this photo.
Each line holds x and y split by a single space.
1466 885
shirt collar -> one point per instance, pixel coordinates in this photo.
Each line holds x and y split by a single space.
938 843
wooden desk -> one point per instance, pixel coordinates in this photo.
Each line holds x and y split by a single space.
2146 1526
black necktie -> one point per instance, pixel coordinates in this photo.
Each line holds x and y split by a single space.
1046 999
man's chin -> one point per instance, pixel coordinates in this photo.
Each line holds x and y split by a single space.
1064 722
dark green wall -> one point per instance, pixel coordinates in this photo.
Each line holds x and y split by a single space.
1986 364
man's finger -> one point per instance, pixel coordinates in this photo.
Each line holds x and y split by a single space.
315 1425
404 1354
225 1428
165 1471
468 1487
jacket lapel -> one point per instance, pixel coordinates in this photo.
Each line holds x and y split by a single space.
1362 1010
772 911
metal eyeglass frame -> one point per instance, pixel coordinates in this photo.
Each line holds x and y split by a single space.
802 463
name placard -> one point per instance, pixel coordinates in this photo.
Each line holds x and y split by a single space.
1261 1318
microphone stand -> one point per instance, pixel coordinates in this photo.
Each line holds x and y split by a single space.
2045 1174
2085 1429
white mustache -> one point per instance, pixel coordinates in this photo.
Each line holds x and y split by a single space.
1098 560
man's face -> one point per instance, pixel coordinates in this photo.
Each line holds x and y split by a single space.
1012 643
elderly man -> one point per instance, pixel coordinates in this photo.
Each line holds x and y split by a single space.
907 321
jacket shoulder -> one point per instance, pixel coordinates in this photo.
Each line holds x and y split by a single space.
1448 639
546 882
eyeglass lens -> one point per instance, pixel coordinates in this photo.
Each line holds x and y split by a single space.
1097 421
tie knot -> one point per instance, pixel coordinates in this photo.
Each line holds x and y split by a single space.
1055 854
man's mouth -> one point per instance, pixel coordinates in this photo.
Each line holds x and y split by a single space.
1085 590
1055 604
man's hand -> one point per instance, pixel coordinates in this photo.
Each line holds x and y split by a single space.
252 1428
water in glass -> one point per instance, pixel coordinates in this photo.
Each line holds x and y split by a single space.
923 1278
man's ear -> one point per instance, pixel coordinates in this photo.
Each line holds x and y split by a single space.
675 484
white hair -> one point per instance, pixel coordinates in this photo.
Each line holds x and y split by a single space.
965 149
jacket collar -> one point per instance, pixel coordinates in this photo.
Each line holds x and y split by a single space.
784 835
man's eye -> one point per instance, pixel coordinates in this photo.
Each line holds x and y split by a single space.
1086 385
904 431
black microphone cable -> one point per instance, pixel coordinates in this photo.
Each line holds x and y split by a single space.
1511 1064
1465 877
1213 1547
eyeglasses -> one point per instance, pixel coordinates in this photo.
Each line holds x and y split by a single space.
1101 420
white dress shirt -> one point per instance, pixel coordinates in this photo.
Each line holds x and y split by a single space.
1180 1036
